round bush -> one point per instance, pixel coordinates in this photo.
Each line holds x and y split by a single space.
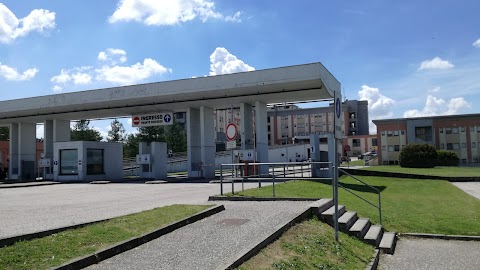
447 158
418 156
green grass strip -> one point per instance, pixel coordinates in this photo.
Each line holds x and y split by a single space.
437 171
409 205
59 248
311 245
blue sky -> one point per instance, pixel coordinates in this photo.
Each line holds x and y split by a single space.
407 58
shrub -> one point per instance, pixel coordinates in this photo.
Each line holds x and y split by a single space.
418 156
447 158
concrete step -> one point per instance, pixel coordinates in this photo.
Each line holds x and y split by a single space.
327 215
374 235
320 206
360 228
346 221
388 243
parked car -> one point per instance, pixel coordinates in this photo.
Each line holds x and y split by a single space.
344 159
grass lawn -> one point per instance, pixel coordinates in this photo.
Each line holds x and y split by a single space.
437 171
311 245
59 248
359 162
409 205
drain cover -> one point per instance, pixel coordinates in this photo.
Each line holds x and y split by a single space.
233 221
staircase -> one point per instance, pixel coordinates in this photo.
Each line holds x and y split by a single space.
351 224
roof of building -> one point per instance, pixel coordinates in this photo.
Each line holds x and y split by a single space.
435 118
278 85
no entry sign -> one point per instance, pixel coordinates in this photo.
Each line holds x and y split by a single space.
231 131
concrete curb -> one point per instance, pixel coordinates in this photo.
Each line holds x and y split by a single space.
258 199
441 236
22 185
251 251
24 237
104 254
374 262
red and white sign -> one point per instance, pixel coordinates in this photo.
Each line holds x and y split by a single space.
231 131
136 120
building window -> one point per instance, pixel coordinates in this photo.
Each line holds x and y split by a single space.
455 130
449 146
384 148
456 146
402 132
464 145
356 142
475 160
397 148
448 131
391 148
474 145
442 146
95 161
383 133
395 133
462 129
68 161
389 133
478 129
441 130
374 142
472 129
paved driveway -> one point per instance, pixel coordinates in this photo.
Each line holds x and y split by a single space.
433 254
472 188
31 209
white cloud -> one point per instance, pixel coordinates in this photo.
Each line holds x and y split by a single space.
437 106
109 72
223 62
11 27
434 90
76 76
12 74
123 75
435 63
476 43
113 56
379 105
153 12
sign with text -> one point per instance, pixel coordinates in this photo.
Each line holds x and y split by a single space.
153 119
231 145
44 163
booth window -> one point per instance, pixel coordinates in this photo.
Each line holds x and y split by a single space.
68 161
95 161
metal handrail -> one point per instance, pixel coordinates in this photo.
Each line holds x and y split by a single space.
379 206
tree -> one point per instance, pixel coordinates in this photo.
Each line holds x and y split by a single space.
117 132
82 132
4 134
130 147
176 138
152 134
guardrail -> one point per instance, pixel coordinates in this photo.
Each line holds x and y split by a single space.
276 170
378 206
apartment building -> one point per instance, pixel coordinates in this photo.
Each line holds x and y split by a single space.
289 123
457 133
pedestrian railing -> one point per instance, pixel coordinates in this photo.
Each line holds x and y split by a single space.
377 205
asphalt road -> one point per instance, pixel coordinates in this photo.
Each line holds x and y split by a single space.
31 209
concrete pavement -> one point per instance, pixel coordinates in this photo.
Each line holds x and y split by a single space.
472 188
434 254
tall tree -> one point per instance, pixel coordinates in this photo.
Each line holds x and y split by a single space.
152 134
176 138
117 132
130 147
4 134
82 132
